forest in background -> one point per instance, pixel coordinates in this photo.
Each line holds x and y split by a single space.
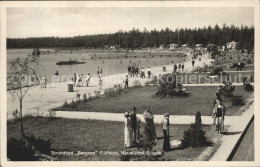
136 38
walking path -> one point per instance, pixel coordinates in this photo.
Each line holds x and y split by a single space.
174 119
230 138
42 99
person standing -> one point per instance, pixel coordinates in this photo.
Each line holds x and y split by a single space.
148 117
129 70
218 94
88 79
133 71
128 131
137 70
193 62
182 67
134 123
126 81
45 81
166 134
100 72
179 67
100 82
175 68
239 66
74 79
56 76
149 72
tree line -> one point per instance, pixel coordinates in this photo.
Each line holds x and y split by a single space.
136 38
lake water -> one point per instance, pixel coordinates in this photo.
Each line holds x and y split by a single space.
47 62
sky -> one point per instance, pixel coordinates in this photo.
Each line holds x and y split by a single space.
68 22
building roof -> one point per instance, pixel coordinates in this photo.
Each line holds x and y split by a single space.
232 43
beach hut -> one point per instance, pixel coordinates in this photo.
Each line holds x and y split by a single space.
198 46
173 46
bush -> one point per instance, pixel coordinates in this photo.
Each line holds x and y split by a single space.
237 101
18 151
41 145
194 136
217 71
169 87
248 87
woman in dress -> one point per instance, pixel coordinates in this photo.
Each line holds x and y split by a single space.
150 127
128 130
166 134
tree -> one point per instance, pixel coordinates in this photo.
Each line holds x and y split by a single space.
19 77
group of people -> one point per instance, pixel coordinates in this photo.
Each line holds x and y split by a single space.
135 71
81 80
132 129
178 67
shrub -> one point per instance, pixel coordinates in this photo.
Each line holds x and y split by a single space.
194 136
217 71
248 87
169 87
65 104
73 104
41 145
237 101
18 151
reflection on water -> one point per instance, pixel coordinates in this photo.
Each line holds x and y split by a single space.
47 63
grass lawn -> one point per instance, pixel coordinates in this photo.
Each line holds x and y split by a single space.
200 99
91 135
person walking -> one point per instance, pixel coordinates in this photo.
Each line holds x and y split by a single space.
166 134
128 131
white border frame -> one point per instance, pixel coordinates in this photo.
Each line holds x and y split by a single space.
3 99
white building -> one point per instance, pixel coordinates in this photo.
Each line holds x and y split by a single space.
232 45
173 46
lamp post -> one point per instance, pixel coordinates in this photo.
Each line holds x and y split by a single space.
178 37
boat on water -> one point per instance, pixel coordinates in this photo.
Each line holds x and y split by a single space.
70 62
